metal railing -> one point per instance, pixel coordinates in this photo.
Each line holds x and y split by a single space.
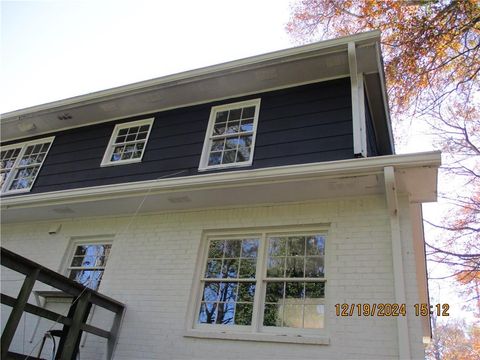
73 324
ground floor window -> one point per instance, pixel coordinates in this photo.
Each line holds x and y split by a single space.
266 280
88 263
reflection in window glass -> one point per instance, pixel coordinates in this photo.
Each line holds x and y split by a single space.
88 264
296 303
20 164
232 131
229 302
292 282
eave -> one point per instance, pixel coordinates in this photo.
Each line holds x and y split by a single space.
417 177
280 69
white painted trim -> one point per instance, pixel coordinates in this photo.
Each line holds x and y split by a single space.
192 75
256 336
108 152
207 143
358 104
23 146
397 255
363 120
373 165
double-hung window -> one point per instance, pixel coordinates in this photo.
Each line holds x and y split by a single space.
88 262
265 282
20 164
230 137
127 143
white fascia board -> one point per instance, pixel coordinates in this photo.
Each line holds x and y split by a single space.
321 170
192 75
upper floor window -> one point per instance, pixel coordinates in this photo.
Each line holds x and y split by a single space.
20 164
88 263
230 138
128 142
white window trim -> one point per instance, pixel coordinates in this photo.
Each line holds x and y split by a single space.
67 268
256 331
23 146
211 122
108 152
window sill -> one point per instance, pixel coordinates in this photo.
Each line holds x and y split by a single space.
294 339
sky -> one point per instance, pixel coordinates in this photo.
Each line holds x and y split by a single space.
58 49
51 50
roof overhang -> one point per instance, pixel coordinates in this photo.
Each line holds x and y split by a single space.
280 69
416 177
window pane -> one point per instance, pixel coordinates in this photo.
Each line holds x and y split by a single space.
248 112
243 154
294 267
215 158
243 314
230 268
219 129
88 278
294 291
314 267
215 249
225 314
207 313
232 248
229 157
247 268
314 290
217 145
213 268
231 144
221 116
272 315
246 292
235 114
276 267
228 291
277 246
120 139
296 246
233 127
274 292
293 316
144 128
315 245
249 248
211 292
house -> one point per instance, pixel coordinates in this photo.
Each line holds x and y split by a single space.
252 209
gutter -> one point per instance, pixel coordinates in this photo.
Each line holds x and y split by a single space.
320 170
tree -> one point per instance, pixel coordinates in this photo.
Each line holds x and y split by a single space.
431 47
431 50
454 340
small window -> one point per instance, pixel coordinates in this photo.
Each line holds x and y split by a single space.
230 138
88 263
127 143
263 283
21 163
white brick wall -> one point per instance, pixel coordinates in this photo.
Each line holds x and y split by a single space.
153 261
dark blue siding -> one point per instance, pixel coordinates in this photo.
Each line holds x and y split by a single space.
298 125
